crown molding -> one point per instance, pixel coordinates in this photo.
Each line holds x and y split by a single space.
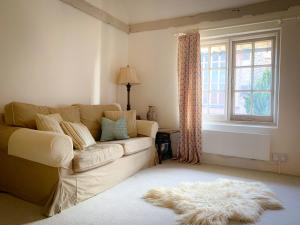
261 8
97 13
269 6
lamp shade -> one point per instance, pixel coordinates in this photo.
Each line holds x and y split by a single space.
128 75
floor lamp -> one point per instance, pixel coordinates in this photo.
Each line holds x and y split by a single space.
128 77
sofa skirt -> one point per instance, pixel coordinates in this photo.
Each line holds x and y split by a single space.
57 188
74 188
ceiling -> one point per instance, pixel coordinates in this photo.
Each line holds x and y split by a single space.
137 11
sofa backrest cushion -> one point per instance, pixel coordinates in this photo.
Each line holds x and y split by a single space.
91 115
68 113
23 114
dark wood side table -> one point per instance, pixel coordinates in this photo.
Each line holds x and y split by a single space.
163 143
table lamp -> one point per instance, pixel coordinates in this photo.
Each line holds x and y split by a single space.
128 77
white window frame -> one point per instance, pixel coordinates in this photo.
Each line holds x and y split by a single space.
229 41
225 42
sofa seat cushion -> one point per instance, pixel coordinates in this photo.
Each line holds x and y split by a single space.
133 145
95 156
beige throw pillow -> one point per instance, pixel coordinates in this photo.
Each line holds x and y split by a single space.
49 122
130 117
79 133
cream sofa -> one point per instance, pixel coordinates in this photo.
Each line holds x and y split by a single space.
42 167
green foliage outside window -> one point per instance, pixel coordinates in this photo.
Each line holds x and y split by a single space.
261 100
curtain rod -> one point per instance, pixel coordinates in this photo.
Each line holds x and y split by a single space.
279 21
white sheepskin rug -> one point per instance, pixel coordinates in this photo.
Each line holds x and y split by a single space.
215 203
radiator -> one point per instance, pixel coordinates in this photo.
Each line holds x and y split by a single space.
241 145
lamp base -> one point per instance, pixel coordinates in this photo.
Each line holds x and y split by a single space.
128 96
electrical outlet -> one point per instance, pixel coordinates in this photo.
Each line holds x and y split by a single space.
279 157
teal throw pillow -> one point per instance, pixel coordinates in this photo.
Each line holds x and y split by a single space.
113 130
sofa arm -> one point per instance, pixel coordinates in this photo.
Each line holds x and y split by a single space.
48 148
147 128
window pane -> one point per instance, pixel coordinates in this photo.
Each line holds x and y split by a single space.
204 110
204 57
263 52
243 79
242 103
205 80
213 98
214 80
262 103
243 54
218 56
217 103
205 98
262 79
222 80
217 80
221 99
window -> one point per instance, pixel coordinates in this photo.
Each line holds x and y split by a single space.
214 73
239 78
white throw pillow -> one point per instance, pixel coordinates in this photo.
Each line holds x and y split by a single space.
49 122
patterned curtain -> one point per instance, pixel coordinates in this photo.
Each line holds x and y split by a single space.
190 105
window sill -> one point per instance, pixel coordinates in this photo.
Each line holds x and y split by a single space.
239 127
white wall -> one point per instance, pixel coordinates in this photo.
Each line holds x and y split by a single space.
53 54
154 55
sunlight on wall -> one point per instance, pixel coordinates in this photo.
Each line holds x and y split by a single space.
52 54
96 82
114 54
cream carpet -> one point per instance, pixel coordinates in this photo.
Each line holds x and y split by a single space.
124 204
217 202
